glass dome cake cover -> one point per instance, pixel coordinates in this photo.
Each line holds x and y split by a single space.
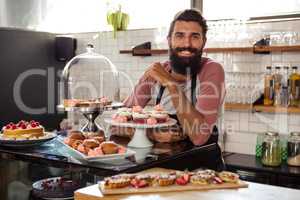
89 78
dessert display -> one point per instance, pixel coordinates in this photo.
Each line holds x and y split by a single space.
92 144
170 180
23 130
138 115
98 102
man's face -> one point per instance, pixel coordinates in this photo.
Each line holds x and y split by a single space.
186 44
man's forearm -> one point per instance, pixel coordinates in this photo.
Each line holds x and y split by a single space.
189 117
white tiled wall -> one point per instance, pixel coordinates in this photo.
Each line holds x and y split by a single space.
241 127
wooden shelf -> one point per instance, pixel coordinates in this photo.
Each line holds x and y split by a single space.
261 108
276 109
225 49
238 107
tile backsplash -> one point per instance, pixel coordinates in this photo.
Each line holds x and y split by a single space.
241 128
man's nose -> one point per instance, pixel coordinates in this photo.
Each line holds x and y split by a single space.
187 42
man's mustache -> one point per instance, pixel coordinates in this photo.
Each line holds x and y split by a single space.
192 50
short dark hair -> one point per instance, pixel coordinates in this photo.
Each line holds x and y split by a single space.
193 15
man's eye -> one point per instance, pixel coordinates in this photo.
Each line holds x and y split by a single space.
196 37
179 35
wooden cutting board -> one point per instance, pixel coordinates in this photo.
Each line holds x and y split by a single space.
171 188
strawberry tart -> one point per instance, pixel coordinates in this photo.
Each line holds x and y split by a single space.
23 130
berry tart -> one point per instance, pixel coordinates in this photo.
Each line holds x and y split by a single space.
118 181
228 177
143 180
166 179
23 130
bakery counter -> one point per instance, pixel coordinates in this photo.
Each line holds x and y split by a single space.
254 191
19 168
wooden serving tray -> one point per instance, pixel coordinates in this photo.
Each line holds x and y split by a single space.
171 188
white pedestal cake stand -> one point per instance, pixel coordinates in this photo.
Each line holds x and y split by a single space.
140 139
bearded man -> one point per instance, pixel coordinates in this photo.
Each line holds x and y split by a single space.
188 86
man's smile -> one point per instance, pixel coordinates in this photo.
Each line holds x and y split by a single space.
185 53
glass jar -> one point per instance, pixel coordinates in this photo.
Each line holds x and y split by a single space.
271 149
293 148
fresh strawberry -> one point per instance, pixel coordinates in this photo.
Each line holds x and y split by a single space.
186 177
11 124
33 125
138 183
218 180
181 181
134 183
7 127
13 127
23 126
142 183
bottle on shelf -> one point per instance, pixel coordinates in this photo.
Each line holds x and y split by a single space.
277 86
294 81
269 87
285 87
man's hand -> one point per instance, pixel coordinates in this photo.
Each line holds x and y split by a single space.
165 136
157 72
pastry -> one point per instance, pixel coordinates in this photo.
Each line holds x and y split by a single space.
91 143
71 102
76 135
75 143
166 179
118 181
109 147
143 180
229 177
23 130
199 179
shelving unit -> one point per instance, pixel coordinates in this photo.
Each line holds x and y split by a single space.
257 49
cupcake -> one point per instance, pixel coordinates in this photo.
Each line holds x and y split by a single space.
137 109
140 118
126 114
161 117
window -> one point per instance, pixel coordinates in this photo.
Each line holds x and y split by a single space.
66 16
227 9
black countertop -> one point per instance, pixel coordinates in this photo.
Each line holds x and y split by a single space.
182 155
252 163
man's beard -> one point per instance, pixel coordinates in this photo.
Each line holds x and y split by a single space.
185 65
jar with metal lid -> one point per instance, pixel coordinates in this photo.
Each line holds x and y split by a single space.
293 148
271 149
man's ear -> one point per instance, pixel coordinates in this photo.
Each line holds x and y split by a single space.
204 41
169 41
